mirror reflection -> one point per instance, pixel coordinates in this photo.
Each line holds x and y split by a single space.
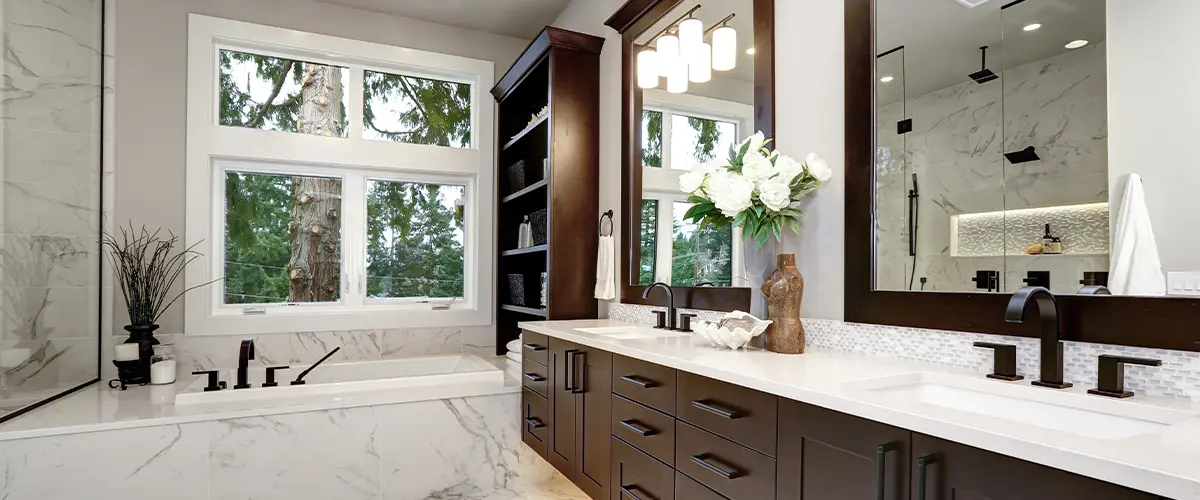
992 158
695 68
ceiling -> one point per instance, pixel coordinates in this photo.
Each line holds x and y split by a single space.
711 12
516 18
941 38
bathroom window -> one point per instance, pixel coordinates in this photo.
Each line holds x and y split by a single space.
366 215
700 256
652 138
700 141
648 256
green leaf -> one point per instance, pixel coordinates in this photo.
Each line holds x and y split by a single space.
697 199
794 225
698 210
742 151
740 219
775 228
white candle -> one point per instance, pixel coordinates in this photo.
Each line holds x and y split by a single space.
125 352
163 372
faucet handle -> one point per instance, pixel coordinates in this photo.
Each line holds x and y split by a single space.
685 322
214 380
1004 364
271 375
1111 382
662 319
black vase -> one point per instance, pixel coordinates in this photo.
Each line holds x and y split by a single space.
143 336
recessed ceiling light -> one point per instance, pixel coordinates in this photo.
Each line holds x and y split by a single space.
1032 26
1077 44
751 51
886 79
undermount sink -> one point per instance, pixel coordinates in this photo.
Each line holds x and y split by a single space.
1018 402
630 332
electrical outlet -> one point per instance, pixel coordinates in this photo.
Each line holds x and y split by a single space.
1183 283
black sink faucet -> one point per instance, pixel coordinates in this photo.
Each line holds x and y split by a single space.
670 301
245 354
1052 348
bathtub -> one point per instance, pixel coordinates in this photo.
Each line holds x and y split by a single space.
334 380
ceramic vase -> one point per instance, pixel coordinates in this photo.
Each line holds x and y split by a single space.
143 336
784 292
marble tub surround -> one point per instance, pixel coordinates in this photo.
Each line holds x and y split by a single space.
1159 462
463 448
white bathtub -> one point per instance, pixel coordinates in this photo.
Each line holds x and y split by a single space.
347 379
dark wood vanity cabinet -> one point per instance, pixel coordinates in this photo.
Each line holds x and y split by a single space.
580 415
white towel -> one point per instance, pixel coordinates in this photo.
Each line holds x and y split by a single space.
606 279
1135 265
514 346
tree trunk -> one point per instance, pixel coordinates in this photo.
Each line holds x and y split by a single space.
314 269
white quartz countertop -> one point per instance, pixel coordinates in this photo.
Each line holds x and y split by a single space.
1163 463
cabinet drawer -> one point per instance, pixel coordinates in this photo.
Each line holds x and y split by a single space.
535 347
638 476
535 422
745 416
734 471
687 488
535 376
647 383
646 429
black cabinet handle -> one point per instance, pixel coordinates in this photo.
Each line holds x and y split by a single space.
922 475
533 377
569 370
638 428
628 491
716 409
881 452
644 383
534 347
706 462
534 422
576 361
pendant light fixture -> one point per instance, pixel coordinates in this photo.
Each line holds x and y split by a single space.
700 66
724 49
668 54
647 68
677 81
691 35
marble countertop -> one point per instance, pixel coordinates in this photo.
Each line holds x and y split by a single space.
98 408
1163 463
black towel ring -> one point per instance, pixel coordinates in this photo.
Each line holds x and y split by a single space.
609 216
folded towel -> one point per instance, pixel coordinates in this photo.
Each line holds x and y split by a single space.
515 356
514 346
606 279
1135 267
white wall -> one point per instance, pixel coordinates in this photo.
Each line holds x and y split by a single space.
151 75
810 117
1152 118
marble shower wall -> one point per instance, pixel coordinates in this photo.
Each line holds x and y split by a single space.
49 196
959 136
466 448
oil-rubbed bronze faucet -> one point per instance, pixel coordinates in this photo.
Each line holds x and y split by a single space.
245 354
670 323
1052 348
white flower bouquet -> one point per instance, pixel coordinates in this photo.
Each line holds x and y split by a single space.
758 190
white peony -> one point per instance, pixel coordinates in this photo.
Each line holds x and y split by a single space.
818 167
693 181
756 142
775 193
756 167
787 169
731 193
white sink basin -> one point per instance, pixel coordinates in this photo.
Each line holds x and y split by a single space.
1019 402
630 332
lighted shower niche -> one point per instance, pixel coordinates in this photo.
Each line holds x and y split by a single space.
1083 230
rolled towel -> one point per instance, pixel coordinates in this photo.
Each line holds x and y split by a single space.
514 346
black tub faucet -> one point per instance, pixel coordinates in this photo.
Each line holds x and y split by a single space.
1052 348
670 302
245 354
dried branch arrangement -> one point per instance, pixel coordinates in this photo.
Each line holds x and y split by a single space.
147 266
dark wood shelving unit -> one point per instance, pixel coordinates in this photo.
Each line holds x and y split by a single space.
560 69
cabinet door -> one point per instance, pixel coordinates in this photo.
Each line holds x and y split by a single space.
943 470
560 451
593 421
826 455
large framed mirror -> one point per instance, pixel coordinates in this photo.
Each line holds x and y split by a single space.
996 144
676 117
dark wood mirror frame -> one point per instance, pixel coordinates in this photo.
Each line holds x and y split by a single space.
631 20
1166 323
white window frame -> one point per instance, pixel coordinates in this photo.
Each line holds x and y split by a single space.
662 183
213 149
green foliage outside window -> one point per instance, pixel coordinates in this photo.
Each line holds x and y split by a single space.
652 134
649 247
415 240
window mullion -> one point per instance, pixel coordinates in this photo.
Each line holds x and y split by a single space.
354 206
667 137
354 111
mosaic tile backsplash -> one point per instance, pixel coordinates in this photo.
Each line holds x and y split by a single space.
1179 375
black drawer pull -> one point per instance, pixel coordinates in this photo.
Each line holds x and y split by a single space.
923 464
628 491
717 410
533 377
706 461
644 383
638 428
534 422
881 452
534 347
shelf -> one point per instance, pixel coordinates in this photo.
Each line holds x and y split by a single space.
529 189
522 251
521 135
541 313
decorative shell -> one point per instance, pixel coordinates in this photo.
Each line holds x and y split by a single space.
734 331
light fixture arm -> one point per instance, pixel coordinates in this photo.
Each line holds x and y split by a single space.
723 22
675 24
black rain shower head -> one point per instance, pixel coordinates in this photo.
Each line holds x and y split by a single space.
984 75
1022 156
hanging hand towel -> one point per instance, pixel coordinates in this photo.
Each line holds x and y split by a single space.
606 280
1135 265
